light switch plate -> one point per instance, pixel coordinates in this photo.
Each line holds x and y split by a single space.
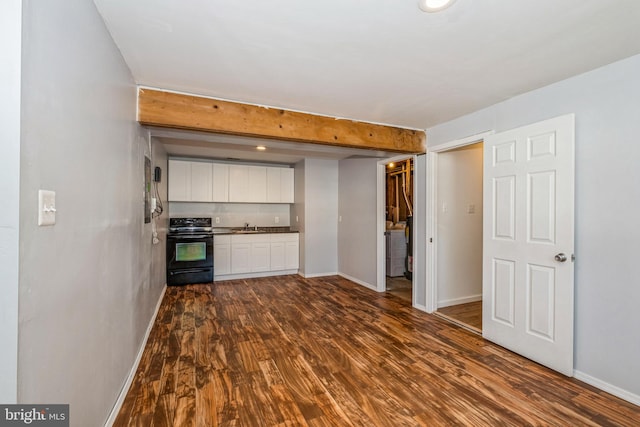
46 207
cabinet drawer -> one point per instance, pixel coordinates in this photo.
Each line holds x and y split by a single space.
284 237
224 239
250 238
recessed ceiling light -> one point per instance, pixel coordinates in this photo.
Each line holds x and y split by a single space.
261 148
434 5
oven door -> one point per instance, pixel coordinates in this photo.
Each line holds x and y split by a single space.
189 251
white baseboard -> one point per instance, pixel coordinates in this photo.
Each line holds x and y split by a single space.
456 301
358 281
253 275
420 307
609 388
132 373
311 276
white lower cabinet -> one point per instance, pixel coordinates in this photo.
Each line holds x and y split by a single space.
277 256
292 255
260 252
240 258
240 255
284 251
221 255
246 254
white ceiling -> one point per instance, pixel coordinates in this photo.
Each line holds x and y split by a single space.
381 61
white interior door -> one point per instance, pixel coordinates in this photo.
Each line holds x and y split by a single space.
528 240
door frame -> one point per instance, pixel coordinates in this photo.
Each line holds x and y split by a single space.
381 280
432 212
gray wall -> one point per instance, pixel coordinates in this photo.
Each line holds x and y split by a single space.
161 223
459 238
316 206
86 289
298 209
10 46
358 209
606 103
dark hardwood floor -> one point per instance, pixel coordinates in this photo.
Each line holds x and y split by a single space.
288 351
400 287
469 314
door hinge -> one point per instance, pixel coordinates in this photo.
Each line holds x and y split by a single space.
573 257
430 239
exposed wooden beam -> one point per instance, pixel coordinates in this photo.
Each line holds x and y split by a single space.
179 111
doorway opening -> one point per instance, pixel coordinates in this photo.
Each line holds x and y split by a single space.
459 235
399 207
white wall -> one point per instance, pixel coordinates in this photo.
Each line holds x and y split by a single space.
86 289
459 239
316 196
357 231
10 68
606 103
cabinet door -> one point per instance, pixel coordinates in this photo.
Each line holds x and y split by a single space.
221 259
179 181
260 256
240 256
292 261
220 185
273 185
201 180
257 191
286 185
277 256
238 183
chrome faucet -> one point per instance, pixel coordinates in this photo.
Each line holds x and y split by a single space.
246 226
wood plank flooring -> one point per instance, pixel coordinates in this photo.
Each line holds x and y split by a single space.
288 351
469 314
400 287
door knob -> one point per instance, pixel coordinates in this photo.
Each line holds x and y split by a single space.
561 257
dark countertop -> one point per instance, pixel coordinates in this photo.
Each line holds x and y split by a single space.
261 230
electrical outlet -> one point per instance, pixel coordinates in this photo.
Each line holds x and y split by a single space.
340 218
217 220
471 209
277 220
46 207
297 218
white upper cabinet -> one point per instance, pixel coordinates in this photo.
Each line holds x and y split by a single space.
201 181
220 185
189 181
179 181
273 185
286 185
238 183
247 184
257 184
279 185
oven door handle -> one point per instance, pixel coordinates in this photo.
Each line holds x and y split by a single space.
188 271
191 236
